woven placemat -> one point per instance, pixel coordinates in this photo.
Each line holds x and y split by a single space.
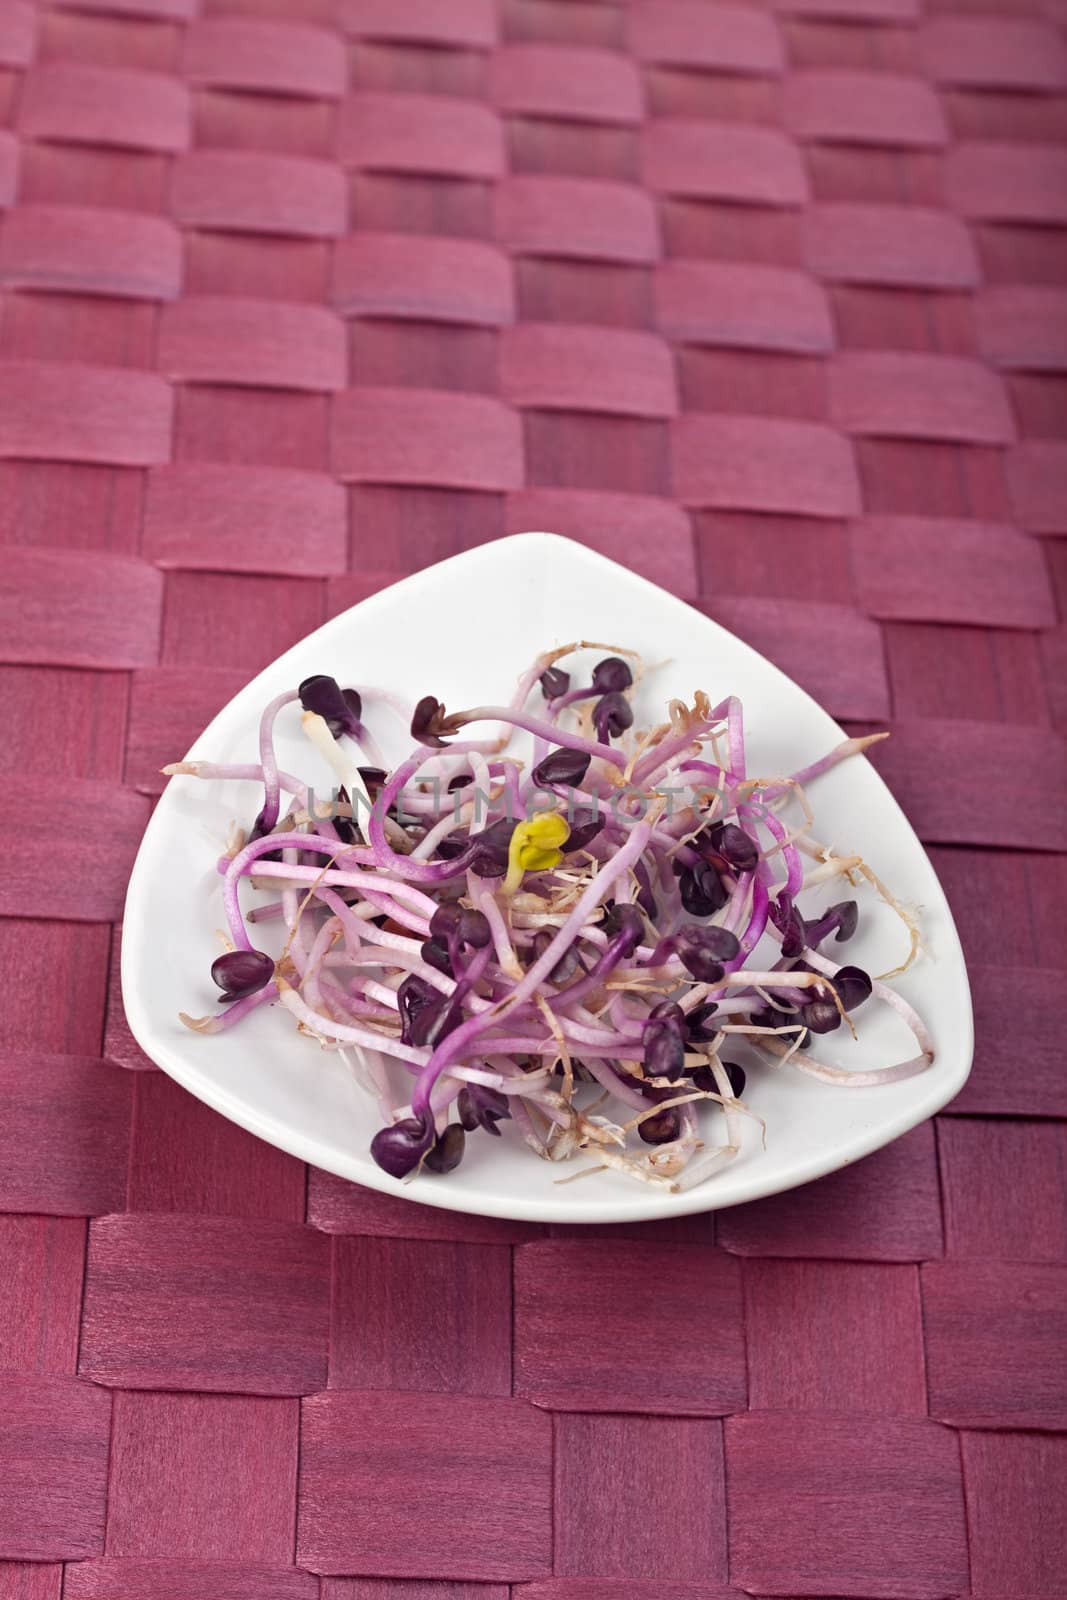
766 301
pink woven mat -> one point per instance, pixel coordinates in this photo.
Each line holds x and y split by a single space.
766 300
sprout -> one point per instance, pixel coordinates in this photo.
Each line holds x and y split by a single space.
664 1039
729 844
430 722
480 1107
701 890
554 683
242 972
419 1005
626 928
567 767
585 825
700 1024
555 971
853 985
340 709
456 925
612 676
662 1128
790 925
821 1016
704 1079
446 1153
536 846
399 1149
612 716
841 920
703 950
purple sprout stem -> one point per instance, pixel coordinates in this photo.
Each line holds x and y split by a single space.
354 1006
239 1009
457 1041
345 1033
657 760
376 890
790 854
316 955
840 752
546 730
530 1045
291 906
609 1079
243 860
757 923
268 816
384 854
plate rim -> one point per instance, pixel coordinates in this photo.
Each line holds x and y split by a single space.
643 1207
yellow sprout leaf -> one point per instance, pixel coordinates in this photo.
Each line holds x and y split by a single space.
535 847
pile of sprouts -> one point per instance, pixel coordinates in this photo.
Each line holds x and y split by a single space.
566 943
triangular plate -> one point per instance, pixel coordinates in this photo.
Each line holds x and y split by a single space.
463 630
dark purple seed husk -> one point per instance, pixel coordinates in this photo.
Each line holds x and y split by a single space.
720 941
627 929
704 1079
565 967
374 778
563 766
346 828
487 863
611 675
701 1027
490 858
474 930
841 920
821 1016
701 950
445 1019
241 972
424 722
701 967
664 1041
446 1152
853 985
324 696
554 682
736 1074
445 920
482 1107
612 715
418 1004
661 1128
399 1149
769 1018
578 1068
258 831
701 890
435 953
735 846
646 899
585 826
790 924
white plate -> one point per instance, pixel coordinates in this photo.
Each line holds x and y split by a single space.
463 631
